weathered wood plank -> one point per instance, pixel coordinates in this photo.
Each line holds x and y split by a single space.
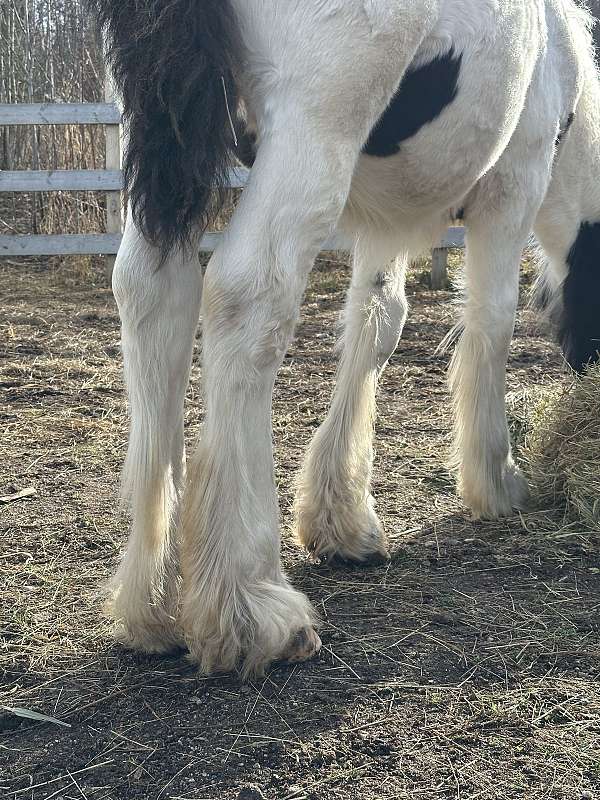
114 212
210 242
94 244
454 237
74 244
74 180
108 244
61 180
59 114
439 268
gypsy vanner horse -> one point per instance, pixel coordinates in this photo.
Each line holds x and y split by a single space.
388 119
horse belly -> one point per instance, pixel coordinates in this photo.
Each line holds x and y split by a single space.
450 120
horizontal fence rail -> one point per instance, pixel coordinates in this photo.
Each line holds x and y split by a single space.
61 180
110 180
59 114
74 180
68 244
85 244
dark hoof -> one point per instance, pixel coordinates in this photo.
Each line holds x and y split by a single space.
305 645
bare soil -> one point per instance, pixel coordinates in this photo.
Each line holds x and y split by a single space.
467 668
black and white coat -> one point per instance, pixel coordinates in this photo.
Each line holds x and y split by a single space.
389 119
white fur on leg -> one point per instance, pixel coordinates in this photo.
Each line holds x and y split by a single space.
506 199
335 512
144 591
159 307
237 603
489 481
238 606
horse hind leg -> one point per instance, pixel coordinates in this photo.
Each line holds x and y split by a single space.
489 481
159 308
238 606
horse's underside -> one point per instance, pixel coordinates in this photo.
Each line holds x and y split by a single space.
389 119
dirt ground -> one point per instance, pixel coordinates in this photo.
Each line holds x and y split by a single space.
467 668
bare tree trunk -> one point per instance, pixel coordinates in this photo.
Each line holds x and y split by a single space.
49 52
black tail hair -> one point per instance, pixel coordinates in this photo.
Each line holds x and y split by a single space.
174 65
579 326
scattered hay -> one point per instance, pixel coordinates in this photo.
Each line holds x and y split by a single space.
558 433
468 667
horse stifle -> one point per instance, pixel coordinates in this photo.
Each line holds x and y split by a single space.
388 118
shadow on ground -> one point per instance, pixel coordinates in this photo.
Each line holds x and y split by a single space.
467 668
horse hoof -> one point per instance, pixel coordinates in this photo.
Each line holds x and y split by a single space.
305 645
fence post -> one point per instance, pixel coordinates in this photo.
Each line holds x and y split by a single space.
439 268
114 207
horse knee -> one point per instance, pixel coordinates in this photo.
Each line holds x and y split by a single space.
248 327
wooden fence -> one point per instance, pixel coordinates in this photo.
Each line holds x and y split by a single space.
109 180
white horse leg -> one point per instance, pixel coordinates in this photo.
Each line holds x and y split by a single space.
489 481
237 601
159 308
314 112
505 202
567 228
335 515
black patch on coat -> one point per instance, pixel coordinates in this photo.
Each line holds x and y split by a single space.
174 65
245 149
420 99
579 329
565 128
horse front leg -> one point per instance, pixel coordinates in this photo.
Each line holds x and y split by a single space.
335 512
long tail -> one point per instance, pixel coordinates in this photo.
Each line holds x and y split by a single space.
572 304
173 63
579 326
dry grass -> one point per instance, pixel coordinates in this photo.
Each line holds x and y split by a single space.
562 448
49 52
466 669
